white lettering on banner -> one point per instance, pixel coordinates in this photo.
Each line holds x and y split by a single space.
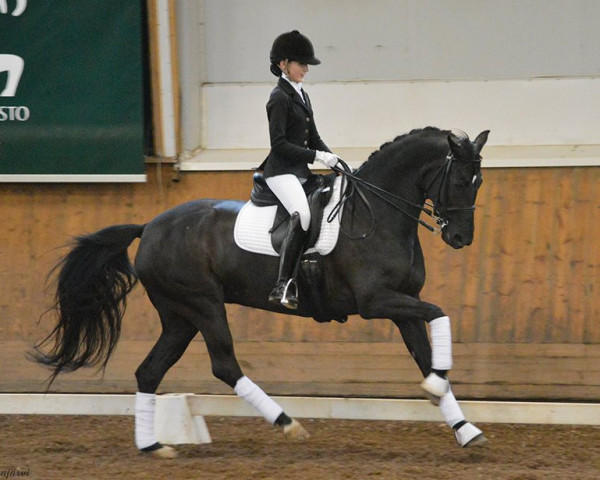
19 8
13 64
20 114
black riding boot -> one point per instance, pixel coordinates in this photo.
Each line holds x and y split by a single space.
286 291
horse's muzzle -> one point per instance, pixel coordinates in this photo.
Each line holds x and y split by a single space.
457 240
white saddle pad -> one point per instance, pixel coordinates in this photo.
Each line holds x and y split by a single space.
253 223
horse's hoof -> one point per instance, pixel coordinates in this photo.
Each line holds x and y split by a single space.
165 452
295 431
158 450
469 436
435 387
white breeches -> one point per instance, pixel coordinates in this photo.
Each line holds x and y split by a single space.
288 189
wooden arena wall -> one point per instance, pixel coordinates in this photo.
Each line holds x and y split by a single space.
522 299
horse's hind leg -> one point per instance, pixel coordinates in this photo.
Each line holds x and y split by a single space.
225 367
417 342
176 336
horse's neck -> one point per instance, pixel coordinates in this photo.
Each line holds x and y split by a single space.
399 174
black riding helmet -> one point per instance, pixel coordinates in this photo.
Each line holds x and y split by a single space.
292 46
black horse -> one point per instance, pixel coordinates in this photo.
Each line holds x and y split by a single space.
377 275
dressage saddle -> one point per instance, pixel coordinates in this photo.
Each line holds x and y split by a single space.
318 190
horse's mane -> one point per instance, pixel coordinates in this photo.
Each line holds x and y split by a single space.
417 132
424 132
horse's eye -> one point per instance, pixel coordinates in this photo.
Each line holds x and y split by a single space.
462 182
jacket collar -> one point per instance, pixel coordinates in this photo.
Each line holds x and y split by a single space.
287 87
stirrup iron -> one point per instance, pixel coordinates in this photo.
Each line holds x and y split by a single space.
292 301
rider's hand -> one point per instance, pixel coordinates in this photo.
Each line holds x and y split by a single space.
326 158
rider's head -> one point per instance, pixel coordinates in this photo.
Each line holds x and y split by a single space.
291 47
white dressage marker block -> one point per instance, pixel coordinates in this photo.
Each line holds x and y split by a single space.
174 422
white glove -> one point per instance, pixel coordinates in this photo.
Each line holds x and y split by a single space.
326 158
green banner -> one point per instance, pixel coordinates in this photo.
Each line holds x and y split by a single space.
72 90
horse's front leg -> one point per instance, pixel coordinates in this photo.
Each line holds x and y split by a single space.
402 308
434 359
415 338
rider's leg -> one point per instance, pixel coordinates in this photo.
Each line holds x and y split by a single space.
291 194
288 189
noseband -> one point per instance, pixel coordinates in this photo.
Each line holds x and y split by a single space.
436 211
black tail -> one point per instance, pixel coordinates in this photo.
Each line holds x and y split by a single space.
93 281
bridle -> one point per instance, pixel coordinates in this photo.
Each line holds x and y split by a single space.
437 211
441 209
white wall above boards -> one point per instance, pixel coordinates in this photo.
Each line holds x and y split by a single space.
529 75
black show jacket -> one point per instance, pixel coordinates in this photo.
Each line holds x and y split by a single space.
294 135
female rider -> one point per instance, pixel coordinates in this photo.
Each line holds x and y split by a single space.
295 142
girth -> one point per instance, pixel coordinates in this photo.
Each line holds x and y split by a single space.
318 190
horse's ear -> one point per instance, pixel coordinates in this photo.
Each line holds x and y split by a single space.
454 143
480 141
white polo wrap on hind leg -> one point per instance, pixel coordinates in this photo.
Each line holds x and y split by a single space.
255 396
145 406
450 409
441 343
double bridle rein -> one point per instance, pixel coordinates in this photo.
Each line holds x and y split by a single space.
436 212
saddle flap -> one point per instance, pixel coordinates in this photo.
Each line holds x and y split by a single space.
317 201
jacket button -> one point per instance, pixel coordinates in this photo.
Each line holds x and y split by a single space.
305 142
306 131
308 119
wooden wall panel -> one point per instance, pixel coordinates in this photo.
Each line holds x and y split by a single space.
529 275
560 372
521 293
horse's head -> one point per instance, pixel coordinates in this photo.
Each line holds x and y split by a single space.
460 180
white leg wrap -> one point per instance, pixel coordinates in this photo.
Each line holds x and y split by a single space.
145 405
441 343
254 395
450 409
469 435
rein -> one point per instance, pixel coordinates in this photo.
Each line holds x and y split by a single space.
355 183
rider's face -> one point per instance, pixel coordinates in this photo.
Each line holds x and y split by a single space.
294 70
